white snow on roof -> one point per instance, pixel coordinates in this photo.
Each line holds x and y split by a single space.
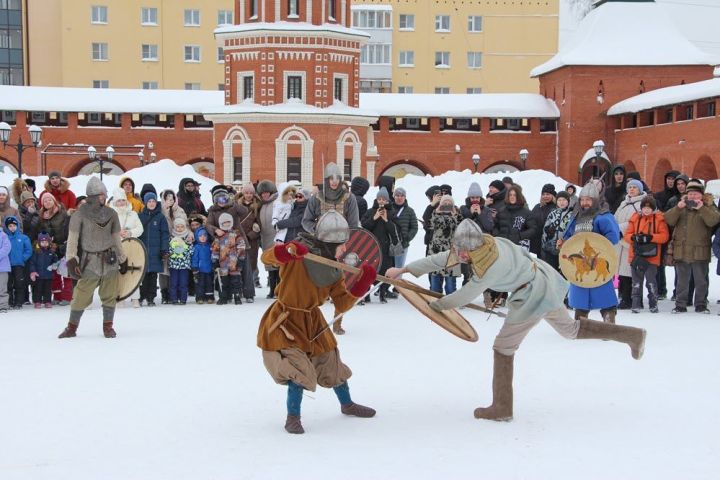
376 8
288 27
668 96
627 33
291 107
495 105
115 100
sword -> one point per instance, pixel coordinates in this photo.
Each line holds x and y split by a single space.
340 315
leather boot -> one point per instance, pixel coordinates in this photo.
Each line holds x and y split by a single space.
608 315
634 337
337 328
108 316
580 314
71 329
356 410
293 424
501 409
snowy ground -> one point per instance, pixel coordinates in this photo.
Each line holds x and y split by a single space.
182 394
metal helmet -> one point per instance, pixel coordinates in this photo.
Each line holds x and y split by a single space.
332 170
332 228
95 187
590 190
468 236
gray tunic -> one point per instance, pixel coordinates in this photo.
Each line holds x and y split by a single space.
94 238
543 288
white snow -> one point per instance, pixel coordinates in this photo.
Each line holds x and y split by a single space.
228 30
182 394
627 33
292 106
668 96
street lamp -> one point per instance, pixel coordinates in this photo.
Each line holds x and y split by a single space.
92 154
476 161
644 149
523 157
599 147
141 157
153 157
20 147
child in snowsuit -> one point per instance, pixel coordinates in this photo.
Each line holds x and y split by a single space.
20 253
202 267
4 270
42 264
228 252
181 250
282 206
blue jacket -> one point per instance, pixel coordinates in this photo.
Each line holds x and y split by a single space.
21 249
603 296
41 260
4 252
202 254
155 237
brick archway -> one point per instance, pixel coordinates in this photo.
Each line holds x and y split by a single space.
87 166
658 180
7 166
705 168
413 165
503 166
630 167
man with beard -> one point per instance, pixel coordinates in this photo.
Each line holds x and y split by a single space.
591 217
334 195
292 354
95 232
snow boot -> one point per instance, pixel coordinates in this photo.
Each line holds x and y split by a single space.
164 296
633 337
108 330
237 299
71 329
108 316
337 328
501 409
293 425
608 315
272 283
580 314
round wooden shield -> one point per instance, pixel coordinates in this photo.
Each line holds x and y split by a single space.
588 260
137 265
361 247
450 320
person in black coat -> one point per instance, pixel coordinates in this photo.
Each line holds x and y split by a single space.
616 191
495 199
475 210
156 238
294 222
359 187
188 197
380 221
515 222
540 214
433 195
669 191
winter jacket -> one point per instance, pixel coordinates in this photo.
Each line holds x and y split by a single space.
41 262
359 187
484 219
444 225
662 198
293 223
498 201
339 199
386 233
614 194
135 201
540 215
515 223
129 220
715 249
181 252
281 210
4 252
30 222
623 214
63 194
202 254
673 201
407 222
155 237
190 202
58 227
234 209
554 229
229 252
692 230
21 249
267 231
171 213
649 225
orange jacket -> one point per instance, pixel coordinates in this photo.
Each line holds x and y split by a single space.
648 224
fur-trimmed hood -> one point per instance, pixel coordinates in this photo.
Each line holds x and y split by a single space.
62 188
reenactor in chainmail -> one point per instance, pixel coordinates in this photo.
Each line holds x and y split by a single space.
334 195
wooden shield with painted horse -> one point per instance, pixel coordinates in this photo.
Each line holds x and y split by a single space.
588 260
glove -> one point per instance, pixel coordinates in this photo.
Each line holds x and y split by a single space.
74 268
256 228
33 276
123 267
297 249
287 252
362 285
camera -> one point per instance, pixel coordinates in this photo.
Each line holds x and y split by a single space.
691 203
381 207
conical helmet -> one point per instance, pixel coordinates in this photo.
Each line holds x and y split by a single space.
95 187
468 235
332 228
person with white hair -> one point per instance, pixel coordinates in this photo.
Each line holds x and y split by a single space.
130 227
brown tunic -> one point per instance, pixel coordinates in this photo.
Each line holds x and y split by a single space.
302 298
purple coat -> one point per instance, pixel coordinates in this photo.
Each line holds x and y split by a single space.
5 247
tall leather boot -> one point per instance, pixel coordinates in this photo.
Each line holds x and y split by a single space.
337 328
608 315
633 337
108 316
501 409
72 326
580 314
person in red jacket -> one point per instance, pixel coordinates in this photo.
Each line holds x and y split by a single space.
60 189
646 233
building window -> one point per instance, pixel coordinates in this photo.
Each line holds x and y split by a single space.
442 23
150 85
338 89
473 90
253 9
98 14
294 87
474 23
225 17
293 9
332 9
150 53
442 90
192 53
220 54
192 86
293 169
192 17
442 59
548 125
347 169
372 19
100 52
101 83
689 112
474 59
405 89
149 16
375 53
8 116
407 58
407 21
247 92
237 169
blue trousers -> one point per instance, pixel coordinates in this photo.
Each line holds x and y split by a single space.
179 284
204 286
436 283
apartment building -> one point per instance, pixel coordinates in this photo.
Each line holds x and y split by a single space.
12 70
150 44
455 46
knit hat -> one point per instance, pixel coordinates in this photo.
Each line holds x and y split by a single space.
672 174
695 185
180 221
564 195
648 202
569 186
400 191
383 193
149 196
549 188
634 175
225 218
25 196
446 189
635 183
475 190
11 220
44 194
248 188
54 173
590 190
446 203
94 187
359 186
498 184
266 186
44 237
119 194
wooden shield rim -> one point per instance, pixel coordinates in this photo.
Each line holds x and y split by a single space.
350 278
144 270
445 319
575 244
